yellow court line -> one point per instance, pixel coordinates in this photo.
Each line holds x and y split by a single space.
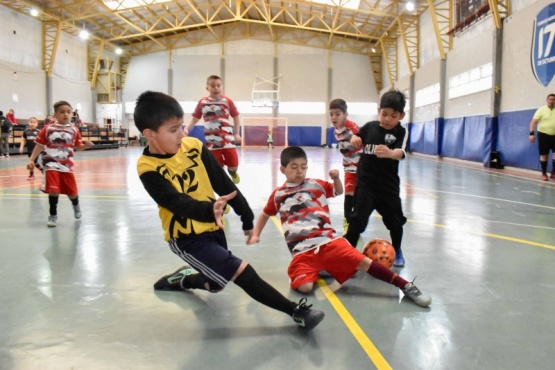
495 236
353 326
361 337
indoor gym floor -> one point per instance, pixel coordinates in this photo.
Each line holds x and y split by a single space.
79 296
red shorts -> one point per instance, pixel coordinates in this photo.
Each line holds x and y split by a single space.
337 257
350 183
59 183
226 157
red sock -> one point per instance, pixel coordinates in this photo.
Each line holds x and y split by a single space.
383 273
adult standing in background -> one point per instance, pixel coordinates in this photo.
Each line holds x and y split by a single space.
545 116
11 117
5 131
75 117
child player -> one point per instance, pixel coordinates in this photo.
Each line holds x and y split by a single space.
302 206
217 110
58 142
29 136
344 131
181 176
378 184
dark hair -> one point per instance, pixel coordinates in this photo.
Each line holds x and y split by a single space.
154 108
213 77
59 104
1 113
393 99
338 104
550 95
290 153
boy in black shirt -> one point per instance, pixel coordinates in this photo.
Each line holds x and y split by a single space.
28 142
377 186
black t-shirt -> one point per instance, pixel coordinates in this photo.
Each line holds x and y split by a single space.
380 173
30 136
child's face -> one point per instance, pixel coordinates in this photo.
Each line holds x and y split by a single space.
338 118
295 171
167 140
33 124
63 114
389 118
215 88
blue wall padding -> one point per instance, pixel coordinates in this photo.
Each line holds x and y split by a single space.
423 137
330 137
452 141
512 140
305 135
198 132
477 139
416 134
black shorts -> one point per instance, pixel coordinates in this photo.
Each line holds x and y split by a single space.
546 143
207 253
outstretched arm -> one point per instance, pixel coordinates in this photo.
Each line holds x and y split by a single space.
337 184
260 223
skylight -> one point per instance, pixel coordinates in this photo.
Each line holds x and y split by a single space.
128 4
348 4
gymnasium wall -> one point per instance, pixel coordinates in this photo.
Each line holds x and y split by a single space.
454 134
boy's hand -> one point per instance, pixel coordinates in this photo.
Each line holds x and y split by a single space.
237 138
252 239
88 144
356 140
219 207
382 151
334 174
30 165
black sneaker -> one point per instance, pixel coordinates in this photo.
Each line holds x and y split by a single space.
173 281
306 317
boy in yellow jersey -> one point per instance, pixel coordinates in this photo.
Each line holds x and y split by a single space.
182 177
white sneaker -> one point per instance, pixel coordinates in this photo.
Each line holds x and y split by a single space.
77 212
421 299
52 221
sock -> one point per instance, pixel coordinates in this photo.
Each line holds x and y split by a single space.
543 165
75 201
348 206
53 202
193 281
263 292
396 237
384 274
31 173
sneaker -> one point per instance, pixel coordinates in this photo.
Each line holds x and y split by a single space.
544 177
421 299
235 177
173 281
306 317
77 212
52 221
399 259
7 156
345 226
31 177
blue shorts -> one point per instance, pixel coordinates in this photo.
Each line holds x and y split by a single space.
207 253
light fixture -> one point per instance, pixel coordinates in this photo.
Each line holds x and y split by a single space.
83 34
119 51
34 12
409 6
373 49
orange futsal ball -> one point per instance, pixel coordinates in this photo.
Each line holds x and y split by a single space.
381 251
